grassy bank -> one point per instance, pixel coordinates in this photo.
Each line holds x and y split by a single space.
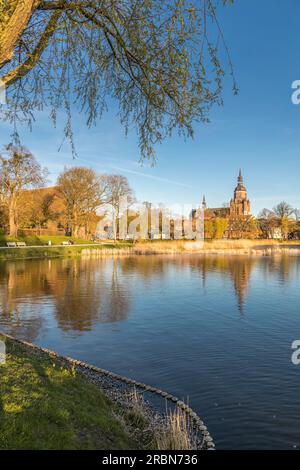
46 406
38 247
43 251
108 248
41 240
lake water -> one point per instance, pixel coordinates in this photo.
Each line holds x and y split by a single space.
214 330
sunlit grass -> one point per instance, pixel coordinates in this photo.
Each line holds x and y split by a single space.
38 240
46 406
146 247
187 246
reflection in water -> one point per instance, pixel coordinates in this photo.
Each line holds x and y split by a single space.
216 329
15 285
238 269
83 292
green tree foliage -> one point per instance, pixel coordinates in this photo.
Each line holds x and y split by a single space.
221 225
209 228
158 60
283 217
285 227
253 228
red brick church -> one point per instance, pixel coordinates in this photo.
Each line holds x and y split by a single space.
239 205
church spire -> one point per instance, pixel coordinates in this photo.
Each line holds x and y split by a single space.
204 205
240 204
240 177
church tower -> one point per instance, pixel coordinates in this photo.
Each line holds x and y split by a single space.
240 204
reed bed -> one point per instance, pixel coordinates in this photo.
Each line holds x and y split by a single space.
177 433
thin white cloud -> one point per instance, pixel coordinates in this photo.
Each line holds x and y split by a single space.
153 177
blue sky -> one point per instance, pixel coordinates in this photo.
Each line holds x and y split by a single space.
258 130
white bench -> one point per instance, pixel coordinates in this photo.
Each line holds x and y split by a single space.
11 244
21 244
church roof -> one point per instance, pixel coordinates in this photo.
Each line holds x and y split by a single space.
238 204
240 182
218 211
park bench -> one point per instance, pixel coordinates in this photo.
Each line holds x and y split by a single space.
21 244
11 244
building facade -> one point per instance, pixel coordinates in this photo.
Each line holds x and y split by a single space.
239 205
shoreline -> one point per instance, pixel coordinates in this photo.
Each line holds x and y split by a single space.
127 394
170 247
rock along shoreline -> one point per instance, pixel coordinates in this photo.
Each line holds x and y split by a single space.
118 387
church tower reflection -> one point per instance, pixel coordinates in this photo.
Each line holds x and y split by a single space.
240 272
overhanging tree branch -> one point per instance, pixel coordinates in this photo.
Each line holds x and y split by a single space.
159 60
33 57
14 28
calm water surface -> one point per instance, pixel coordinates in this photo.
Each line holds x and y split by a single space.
215 330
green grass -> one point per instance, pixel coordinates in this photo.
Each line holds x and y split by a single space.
57 240
37 246
35 240
43 252
46 406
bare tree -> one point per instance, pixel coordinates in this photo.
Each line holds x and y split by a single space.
158 59
117 188
19 170
267 222
266 214
297 214
283 209
279 217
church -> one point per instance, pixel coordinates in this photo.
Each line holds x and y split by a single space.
239 205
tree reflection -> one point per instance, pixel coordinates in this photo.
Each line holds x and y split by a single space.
80 293
15 284
90 292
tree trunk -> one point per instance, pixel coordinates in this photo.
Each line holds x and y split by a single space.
87 230
14 28
75 231
13 228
